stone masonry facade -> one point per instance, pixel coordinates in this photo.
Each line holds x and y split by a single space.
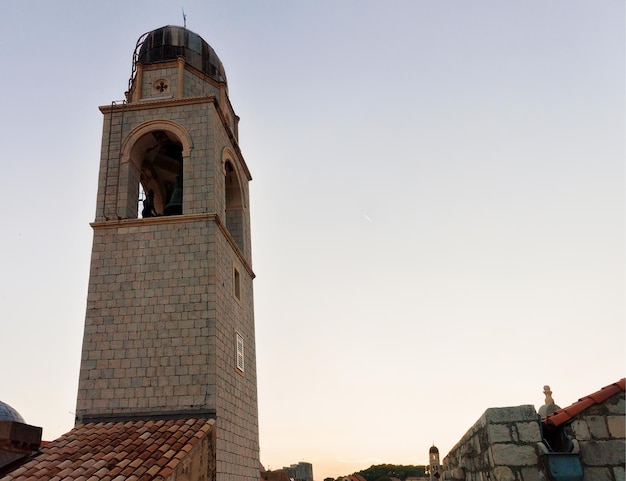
502 445
506 444
152 314
170 299
600 434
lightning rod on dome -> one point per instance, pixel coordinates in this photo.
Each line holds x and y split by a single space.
184 18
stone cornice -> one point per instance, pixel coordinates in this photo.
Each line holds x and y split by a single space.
157 102
147 416
177 219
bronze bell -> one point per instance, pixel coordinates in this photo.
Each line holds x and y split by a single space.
175 205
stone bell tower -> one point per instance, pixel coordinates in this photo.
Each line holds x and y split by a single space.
169 328
434 468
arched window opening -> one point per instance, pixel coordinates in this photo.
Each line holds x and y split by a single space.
157 156
234 205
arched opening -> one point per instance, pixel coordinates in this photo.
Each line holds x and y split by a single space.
157 156
152 168
234 204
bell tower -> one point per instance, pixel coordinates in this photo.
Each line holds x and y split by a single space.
169 327
434 468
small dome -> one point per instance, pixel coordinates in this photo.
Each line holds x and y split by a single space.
7 413
170 42
433 450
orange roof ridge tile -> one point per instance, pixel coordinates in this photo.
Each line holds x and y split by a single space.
566 414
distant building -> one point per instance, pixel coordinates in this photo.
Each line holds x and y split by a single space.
276 475
434 467
18 440
300 472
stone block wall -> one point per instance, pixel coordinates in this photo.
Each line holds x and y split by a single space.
237 439
196 85
199 465
146 343
600 433
118 188
203 176
503 445
167 72
506 444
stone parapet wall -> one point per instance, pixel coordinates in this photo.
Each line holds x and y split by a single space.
504 445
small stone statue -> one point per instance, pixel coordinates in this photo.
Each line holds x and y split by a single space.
549 407
148 205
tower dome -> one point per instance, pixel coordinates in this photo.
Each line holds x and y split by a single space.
170 42
7 413
433 450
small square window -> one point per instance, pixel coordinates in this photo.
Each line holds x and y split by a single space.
240 353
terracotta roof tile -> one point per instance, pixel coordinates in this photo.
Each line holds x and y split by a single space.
115 451
566 414
278 475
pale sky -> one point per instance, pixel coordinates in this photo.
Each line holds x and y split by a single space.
438 207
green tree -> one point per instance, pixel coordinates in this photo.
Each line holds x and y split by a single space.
380 471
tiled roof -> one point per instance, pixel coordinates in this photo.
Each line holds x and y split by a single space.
278 475
566 414
113 451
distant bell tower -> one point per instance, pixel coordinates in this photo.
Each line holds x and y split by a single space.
169 328
434 468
